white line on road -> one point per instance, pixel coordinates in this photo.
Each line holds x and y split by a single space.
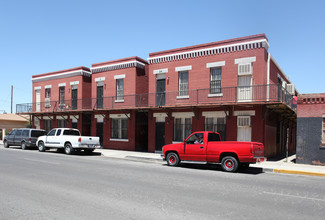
42 161
300 197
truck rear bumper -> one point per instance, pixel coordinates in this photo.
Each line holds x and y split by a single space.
87 146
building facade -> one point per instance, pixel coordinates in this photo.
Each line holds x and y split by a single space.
311 129
234 87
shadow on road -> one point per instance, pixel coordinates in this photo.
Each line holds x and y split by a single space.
217 167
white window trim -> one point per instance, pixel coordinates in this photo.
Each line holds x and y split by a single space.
74 83
215 114
183 68
121 100
119 116
245 60
101 83
161 76
62 84
160 71
183 97
122 76
244 113
100 79
121 140
216 64
215 95
76 117
182 114
48 87
100 118
240 117
160 115
38 88
62 117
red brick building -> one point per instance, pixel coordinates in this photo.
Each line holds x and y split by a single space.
234 87
311 129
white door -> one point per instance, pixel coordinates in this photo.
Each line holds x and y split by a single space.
38 100
244 128
244 88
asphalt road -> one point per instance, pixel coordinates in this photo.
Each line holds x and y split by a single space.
50 185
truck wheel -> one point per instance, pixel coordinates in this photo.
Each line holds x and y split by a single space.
41 147
68 149
229 164
5 144
23 145
172 159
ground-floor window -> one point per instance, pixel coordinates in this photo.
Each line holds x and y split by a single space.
182 129
216 124
323 130
62 123
119 128
47 125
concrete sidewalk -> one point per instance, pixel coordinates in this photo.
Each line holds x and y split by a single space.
280 166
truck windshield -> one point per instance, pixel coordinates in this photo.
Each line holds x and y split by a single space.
71 132
213 137
36 133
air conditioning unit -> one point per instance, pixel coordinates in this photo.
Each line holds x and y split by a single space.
47 103
291 88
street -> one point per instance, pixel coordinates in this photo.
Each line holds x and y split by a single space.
51 185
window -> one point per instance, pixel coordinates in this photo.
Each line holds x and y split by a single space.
48 93
215 83
216 124
213 137
36 133
182 129
183 83
61 97
62 123
119 89
71 132
25 133
119 128
18 133
195 139
52 132
48 125
245 69
58 132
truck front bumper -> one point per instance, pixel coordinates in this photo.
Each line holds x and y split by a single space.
163 156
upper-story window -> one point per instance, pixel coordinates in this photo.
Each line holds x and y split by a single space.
48 93
215 80
183 83
119 89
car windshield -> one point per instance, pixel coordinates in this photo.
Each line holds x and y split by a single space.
71 132
36 133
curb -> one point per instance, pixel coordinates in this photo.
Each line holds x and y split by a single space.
308 173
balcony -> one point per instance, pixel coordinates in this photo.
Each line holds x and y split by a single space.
268 94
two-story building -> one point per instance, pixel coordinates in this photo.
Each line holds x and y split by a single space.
234 87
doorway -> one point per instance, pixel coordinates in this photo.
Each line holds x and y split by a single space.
244 88
161 90
160 136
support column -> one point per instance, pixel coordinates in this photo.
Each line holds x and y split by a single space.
3 133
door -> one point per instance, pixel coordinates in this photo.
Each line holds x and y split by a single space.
244 88
99 97
74 96
38 100
244 128
50 139
17 138
161 90
160 136
195 149
99 132
11 137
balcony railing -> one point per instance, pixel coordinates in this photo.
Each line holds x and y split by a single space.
227 95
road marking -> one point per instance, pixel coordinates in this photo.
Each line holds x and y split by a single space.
300 197
42 161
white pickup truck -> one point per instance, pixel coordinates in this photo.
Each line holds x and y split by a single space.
67 139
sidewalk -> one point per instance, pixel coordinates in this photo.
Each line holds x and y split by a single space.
280 166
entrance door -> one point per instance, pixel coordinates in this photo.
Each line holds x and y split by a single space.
161 89
160 135
244 129
74 96
99 132
99 97
244 88
38 100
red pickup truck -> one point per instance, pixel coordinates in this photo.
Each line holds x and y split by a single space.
207 147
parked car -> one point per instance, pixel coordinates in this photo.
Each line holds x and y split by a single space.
24 137
67 139
207 147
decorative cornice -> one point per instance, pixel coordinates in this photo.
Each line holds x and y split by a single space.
62 75
117 66
263 43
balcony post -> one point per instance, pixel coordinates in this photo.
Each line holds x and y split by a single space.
197 96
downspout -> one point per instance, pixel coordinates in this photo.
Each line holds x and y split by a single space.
268 77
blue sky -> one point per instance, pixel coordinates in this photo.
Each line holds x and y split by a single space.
44 36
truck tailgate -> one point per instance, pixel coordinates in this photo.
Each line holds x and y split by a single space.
89 140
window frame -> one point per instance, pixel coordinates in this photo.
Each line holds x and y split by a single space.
119 123
183 93
120 91
184 125
217 82
216 125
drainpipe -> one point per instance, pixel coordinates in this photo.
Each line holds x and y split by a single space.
268 77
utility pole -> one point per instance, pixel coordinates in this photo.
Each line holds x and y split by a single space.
12 94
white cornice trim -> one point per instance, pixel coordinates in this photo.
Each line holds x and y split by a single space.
263 43
117 66
62 75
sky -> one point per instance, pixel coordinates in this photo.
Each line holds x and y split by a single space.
44 36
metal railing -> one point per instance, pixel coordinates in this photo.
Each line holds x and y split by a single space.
228 95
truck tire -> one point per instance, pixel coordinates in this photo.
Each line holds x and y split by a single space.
41 147
68 149
229 164
5 144
23 145
172 159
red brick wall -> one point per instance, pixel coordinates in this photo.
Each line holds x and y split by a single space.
311 105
